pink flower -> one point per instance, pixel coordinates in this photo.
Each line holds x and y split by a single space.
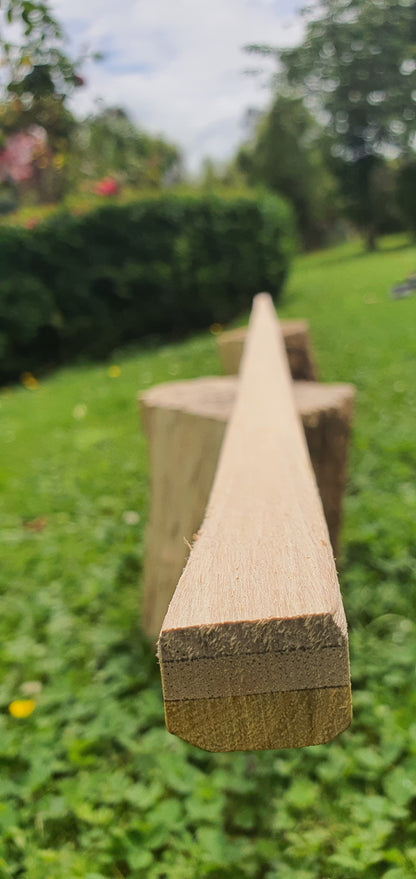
21 149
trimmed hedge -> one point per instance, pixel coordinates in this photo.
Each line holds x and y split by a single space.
83 285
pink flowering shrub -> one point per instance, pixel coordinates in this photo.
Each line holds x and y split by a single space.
21 151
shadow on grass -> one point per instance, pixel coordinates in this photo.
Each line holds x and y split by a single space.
386 247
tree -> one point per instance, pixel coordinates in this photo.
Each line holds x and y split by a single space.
356 70
406 192
287 154
108 142
31 51
36 79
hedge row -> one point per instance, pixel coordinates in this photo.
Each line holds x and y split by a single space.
83 285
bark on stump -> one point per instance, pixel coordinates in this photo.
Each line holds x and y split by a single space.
185 423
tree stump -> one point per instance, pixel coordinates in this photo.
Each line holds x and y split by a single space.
185 423
297 343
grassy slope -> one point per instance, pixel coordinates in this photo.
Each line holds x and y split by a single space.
91 784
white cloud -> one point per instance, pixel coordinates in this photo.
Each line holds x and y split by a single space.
177 65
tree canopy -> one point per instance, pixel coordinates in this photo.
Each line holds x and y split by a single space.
356 71
36 78
44 150
110 142
287 154
33 59
357 64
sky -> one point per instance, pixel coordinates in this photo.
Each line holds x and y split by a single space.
177 66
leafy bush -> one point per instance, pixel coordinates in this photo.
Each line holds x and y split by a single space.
86 284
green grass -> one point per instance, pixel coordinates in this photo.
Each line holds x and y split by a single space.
91 784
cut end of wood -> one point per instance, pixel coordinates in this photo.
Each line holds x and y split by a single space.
305 632
270 684
293 719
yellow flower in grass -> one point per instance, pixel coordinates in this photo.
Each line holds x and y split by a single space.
29 381
114 371
216 329
22 708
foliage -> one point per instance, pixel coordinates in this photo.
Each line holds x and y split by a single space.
287 154
379 178
388 216
358 62
406 192
86 284
110 143
356 68
77 203
92 785
37 78
33 61
47 151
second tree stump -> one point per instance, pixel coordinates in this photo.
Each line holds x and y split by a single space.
185 423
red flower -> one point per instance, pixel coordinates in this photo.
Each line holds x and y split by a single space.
107 186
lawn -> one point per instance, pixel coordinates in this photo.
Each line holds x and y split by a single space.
91 784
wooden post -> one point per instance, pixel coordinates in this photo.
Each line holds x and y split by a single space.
297 343
185 423
254 648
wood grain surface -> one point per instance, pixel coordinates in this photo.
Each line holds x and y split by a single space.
258 607
297 342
